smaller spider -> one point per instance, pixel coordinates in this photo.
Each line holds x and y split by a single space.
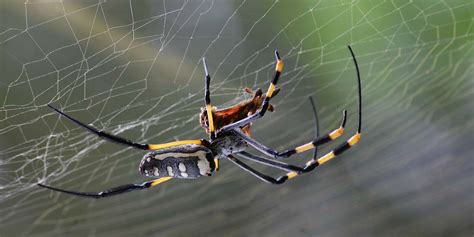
225 116
190 159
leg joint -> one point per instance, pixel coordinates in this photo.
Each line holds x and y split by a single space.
281 180
285 154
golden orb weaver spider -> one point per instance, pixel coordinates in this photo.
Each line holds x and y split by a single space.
195 158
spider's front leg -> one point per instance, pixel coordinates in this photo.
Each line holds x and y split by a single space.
207 100
313 163
124 141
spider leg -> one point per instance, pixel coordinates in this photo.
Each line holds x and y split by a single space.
282 165
313 163
268 162
316 124
254 172
125 141
310 165
267 178
266 102
112 191
207 100
287 153
320 140
356 137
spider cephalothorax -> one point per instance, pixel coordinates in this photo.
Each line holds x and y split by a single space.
228 144
228 137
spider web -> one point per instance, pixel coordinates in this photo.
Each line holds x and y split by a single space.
134 68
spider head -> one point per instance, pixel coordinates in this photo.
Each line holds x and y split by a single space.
183 161
227 144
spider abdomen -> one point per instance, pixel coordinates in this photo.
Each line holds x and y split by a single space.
185 161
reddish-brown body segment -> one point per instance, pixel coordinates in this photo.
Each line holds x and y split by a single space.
225 116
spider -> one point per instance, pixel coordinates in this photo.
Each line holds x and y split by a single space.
190 159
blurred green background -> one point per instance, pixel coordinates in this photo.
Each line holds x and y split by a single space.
134 68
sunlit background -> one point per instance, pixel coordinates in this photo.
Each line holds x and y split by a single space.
134 68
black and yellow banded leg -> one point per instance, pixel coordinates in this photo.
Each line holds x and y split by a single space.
266 102
311 165
216 164
276 76
207 100
285 154
112 191
337 151
125 141
318 141
281 165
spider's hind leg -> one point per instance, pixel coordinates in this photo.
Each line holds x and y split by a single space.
113 191
207 100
